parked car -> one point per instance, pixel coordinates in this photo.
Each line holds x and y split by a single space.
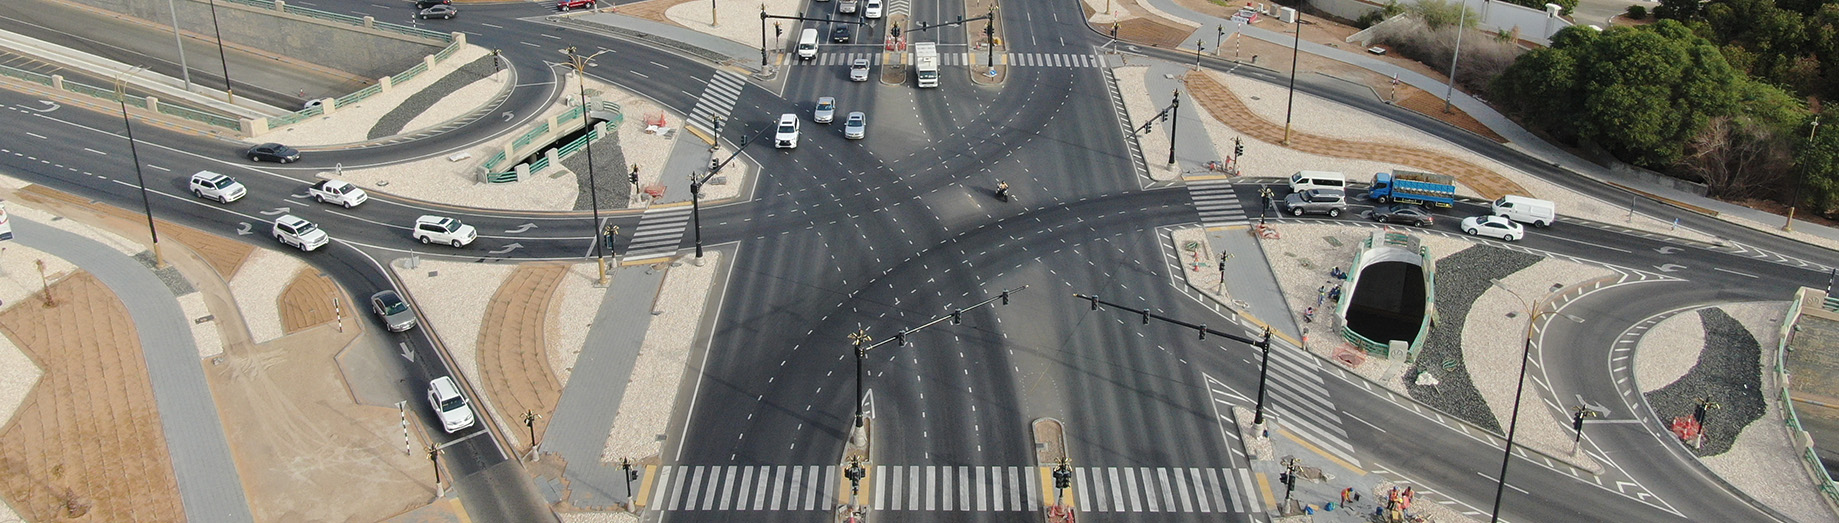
858 70
840 35
786 136
574 4
224 189
449 405
826 110
1326 201
872 9
296 231
1403 213
855 126
394 312
338 192
444 12
1493 227
438 229
272 152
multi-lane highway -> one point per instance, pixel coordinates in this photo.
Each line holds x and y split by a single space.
886 232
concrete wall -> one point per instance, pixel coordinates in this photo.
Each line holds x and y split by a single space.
353 49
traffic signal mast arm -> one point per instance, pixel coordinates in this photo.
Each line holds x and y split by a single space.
764 16
961 21
1203 329
737 152
955 316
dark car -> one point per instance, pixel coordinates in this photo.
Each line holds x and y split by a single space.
1403 213
840 35
394 312
444 12
273 152
424 4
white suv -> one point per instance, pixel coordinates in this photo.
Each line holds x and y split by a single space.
786 137
295 231
224 189
438 229
449 405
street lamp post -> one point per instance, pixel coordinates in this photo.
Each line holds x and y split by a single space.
1295 52
1461 18
580 64
179 40
121 97
857 339
1788 225
989 32
228 91
1174 119
1534 311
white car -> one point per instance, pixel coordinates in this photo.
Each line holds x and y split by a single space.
449 405
855 126
826 110
858 70
786 137
295 231
338 192
846 6
224 189
872 9
437 229
1493 227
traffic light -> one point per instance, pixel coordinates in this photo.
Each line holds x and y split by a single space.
1063 477
895 31
777 30
1238 148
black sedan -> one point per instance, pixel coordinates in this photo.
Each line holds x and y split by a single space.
272 152
840 35
1403 213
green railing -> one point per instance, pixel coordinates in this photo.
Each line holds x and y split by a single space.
503 177
522 141
98 92
200 116
412 31
22 74
360 95
1815 468
323 15
295 117
452 46
492 163
410 74
540 164
571 114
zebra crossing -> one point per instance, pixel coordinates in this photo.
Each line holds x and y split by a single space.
948 488
965 59
718 98
1299 403
1217 203
659 233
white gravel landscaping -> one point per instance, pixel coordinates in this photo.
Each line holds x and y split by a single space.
349 124
1323 117
460 102
738 21
257 288
1491 348
205 335
452 297
121 244
1668 350
572 311
1142 104
644 409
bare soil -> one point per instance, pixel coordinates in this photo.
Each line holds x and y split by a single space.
225 255
513 350
87 442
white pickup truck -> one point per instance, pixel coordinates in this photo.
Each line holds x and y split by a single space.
338 192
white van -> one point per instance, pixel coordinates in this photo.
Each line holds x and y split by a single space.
807 44
1305 180
1521 209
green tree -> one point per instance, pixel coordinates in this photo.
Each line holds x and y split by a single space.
1817 165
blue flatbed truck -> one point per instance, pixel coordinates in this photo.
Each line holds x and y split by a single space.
1428 189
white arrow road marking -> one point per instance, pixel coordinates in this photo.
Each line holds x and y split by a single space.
868 404
244 230
1669 267
301 195
406 353
1669 249
54 106
1733 272
277 210
507 248
521 228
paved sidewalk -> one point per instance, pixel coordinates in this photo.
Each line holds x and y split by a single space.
1193 147
1517 137
705 45
208 482
1253 281
584 415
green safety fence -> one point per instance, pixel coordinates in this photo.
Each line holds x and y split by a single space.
492 163
294 117
571 114
540 164
522 141
1800 436
412 31
359 95
409 74
451 48
503 177
201 116
22 74
98 92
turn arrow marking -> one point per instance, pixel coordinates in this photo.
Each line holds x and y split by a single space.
277 210
508 248
245 229
521 228
868 404
406 353
1669 267
54 106
1669 249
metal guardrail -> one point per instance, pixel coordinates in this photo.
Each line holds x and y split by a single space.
97 92
538 165
565 151
571 114
492 163
201 116
22 74
294 117
409 74
411 31
1809 458
523 141
452 47
503 177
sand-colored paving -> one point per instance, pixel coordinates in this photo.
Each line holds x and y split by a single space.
513 351
308 301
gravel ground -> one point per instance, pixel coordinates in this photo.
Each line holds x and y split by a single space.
350 124
649 151
610 171
1730 374
1668 350
1763 450
1142 105
1323 117
458 102
577 300
738 21
644 410
1491 345
205 335
257 288
597 517
398 118
452 297
1462 278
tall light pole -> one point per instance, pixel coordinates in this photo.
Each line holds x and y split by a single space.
1788 226
179 39
228 91
1296 51
121 97
580 64
1461 18
1175 117
1534 309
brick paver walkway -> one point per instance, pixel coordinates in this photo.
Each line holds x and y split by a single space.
307 301
513 353
88 439
1229 109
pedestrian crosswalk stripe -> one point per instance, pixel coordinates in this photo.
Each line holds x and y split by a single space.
659 233
1216 203
717 101
835 59
954 488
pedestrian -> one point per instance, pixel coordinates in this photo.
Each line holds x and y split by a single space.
1347 495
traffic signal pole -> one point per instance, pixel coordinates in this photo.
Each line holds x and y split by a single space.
1264 345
